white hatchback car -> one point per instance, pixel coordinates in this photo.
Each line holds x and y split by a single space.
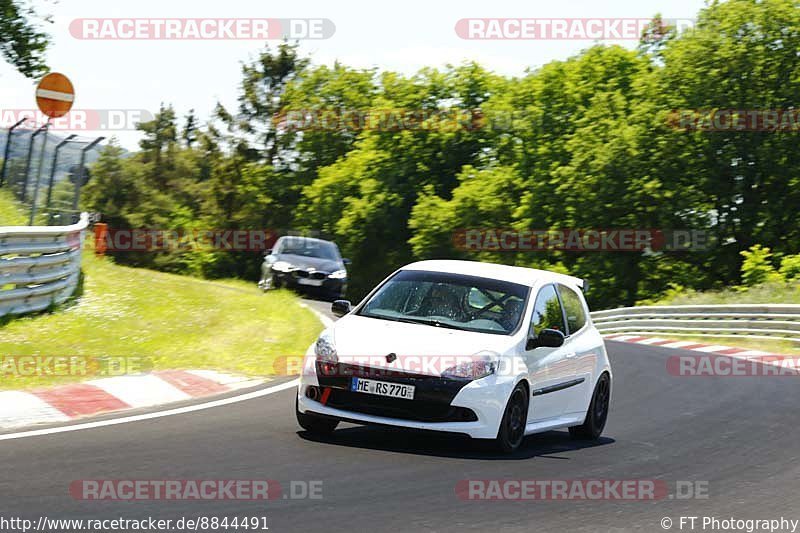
490 351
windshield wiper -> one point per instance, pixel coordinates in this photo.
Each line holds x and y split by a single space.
435 323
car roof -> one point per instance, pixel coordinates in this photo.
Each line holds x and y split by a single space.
302 238
513 274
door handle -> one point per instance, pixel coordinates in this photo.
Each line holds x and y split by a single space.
570 355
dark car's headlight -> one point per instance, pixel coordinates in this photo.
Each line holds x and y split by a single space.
339 274
281 266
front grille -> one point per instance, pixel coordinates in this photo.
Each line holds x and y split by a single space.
311 274
417 410
432 395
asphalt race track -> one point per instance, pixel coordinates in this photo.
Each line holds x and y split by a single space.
739 435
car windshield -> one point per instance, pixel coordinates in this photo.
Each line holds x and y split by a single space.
309 248
449 301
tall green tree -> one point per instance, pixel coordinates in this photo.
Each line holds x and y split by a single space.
22 42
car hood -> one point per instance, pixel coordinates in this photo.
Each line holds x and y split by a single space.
419 348
317 263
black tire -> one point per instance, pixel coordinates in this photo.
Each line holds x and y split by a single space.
515 417
597 414
315 424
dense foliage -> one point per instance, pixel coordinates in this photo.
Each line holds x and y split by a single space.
22 42
584 143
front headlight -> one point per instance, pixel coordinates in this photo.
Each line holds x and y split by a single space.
325 349
339 274
281 266
471 370
483 364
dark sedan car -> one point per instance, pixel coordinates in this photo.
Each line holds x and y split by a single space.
304 264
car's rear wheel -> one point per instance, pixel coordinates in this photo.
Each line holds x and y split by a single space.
515 417
597 414
315 424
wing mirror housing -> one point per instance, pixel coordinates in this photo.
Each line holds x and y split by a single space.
547 338
341 307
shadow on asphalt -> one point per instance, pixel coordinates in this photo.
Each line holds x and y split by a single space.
546 445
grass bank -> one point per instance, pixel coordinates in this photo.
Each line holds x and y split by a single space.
11 212
173 322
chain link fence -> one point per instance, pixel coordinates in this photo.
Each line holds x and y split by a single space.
45 170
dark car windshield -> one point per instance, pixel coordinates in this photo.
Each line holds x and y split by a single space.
450 301
309 248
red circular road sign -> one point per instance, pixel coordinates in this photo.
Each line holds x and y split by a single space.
55 95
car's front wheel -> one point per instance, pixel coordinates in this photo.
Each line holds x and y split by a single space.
597 414
515 417
315 424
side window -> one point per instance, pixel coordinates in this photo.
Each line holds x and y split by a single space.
576 316
547 312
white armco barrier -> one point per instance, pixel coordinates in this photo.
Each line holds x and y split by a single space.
759 321
39 265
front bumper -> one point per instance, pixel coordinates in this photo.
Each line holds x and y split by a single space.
472 408
328 286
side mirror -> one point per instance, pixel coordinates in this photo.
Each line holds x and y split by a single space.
346 261
548 338
341 307
268 252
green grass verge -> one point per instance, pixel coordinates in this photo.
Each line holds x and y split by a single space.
176 322
781 292
11 212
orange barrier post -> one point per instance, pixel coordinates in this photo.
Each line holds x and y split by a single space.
100 234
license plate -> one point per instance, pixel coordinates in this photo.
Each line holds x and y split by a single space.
312 282
382 388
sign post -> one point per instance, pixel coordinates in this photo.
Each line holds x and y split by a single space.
55 95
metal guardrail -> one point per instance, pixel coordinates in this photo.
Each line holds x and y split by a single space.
39 265
757 321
